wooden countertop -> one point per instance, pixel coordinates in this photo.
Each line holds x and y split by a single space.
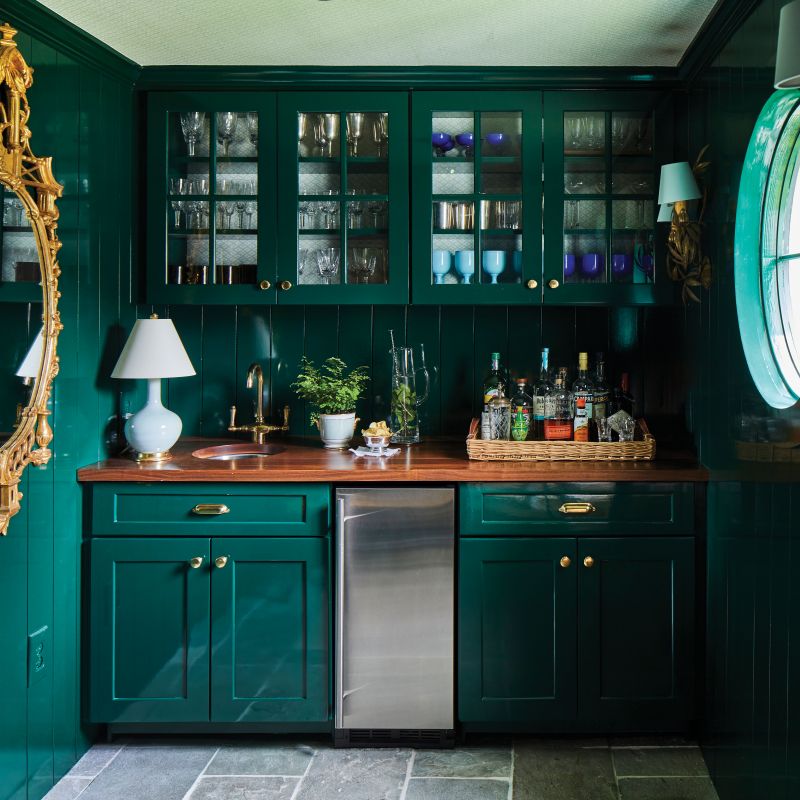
306 461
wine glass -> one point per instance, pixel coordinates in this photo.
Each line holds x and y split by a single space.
375 207
192 123
572 214
380 132
226 209
362 264
177 207
355 129
574 132
355 209
320 138
328 263
252 128
226 129
249 209
330 127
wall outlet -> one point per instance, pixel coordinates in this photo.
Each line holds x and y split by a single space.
39 653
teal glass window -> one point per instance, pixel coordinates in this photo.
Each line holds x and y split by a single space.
767 251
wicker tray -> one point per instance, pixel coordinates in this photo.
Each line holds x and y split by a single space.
642 448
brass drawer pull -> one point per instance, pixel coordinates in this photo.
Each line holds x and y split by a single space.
196 562
565 561
577 508
210 509
220 562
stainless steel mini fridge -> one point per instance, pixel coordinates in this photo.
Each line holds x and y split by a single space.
395 616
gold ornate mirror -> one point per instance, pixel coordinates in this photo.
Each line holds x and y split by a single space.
29 253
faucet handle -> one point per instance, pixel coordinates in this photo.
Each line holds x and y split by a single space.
233 417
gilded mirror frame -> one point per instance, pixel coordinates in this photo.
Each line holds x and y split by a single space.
31 179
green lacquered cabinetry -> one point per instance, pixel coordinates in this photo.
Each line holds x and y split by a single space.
562 632
190 628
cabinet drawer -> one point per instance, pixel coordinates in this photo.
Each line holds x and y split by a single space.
189 509
527 509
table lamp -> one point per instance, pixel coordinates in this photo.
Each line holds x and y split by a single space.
787 60
153 351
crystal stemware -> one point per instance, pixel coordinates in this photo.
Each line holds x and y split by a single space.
252 128
249 209
192 123
329 123
226 129
362 264
328 263
226 209
375 208
574 132
380 132
355 130
320 138
177 207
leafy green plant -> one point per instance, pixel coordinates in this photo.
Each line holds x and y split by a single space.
404 408
329 388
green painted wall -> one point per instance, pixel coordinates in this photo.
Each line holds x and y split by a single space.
752 742
82 116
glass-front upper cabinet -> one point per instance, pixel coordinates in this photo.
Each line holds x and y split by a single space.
477 197
343 188
603 153
20 277
211 198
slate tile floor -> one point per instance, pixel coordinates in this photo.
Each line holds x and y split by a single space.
263 769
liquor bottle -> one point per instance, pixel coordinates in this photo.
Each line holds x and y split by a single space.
583 386
541 390
601 394
494 381
521 408
499 416
558 423
581 422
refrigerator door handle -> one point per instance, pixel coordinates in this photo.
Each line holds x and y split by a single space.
341 525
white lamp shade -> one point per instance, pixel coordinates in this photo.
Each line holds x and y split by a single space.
677 183
153 350
787 61
33 359
665 212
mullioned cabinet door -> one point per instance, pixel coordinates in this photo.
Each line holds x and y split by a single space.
149 630
517 647
269 625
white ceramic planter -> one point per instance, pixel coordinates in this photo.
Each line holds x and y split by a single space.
336 430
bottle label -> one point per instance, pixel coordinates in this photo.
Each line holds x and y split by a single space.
600 405
588 397
557 429
538 407
581 428
489 394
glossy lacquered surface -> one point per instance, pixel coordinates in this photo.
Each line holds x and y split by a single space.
446 461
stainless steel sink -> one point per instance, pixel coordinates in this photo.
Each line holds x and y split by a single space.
237 452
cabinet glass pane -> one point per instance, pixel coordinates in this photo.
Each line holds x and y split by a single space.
632 241
453 152
584 133
631 133
20 260
500 149
584 176
585 241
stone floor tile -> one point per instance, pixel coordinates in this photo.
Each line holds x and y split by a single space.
566 742
667 789
261 759
455 789
652 741
243 788
547 772
94 760
660 762
463 762
68 788
356 775
143 772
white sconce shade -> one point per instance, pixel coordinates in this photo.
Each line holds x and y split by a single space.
787 61
677 183
33 359
665 212
153 350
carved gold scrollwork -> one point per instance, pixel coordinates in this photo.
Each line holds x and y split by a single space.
31 179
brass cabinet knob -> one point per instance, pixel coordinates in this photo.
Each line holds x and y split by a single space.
264 285
532 284
220 562
553 283
588 562
286 285
565 561
196 562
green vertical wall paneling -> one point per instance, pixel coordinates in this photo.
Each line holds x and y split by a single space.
218 368
185 394
288 335
355 348
423 328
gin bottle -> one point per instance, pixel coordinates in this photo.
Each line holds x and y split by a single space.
494 381
542 389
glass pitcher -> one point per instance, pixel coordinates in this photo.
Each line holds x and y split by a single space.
406 401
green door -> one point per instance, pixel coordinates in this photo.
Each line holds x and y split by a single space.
516 651
636 632
211 197
343 185
602 155
269 630
477 197
149 630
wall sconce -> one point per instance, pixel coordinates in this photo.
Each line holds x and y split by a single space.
686 263
787 61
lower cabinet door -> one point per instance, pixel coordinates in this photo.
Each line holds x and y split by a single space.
517 643
269 630
636 632
149 630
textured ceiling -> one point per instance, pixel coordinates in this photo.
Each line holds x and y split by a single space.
393 33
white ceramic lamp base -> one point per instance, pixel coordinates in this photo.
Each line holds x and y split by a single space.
154 430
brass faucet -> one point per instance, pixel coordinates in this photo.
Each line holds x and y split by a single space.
258 429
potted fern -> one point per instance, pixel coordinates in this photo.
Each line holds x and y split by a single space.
332 393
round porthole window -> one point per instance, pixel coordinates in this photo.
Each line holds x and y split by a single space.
767 254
